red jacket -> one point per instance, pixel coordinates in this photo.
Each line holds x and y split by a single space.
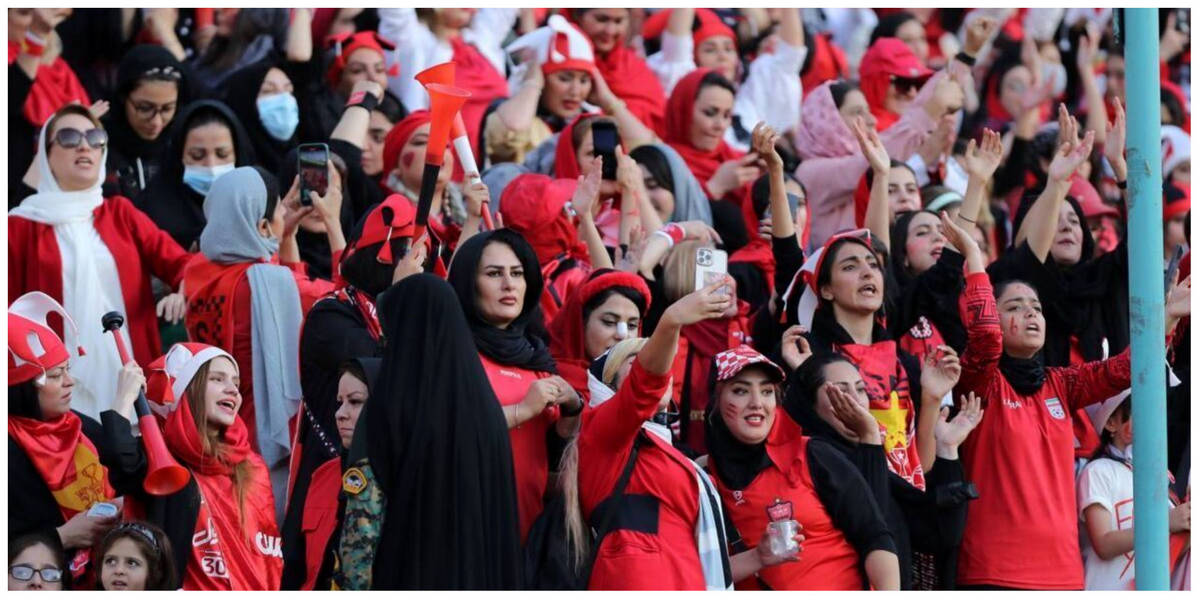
1023 531
662 555
139 248
320 517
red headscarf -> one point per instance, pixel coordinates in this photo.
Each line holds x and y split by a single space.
886 58
628 76
345 45
54 87
710 25
828 63
476 74
567 335
533 206
677 129
566 162
398 136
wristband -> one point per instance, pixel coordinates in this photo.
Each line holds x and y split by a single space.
363 99
673 234
965 58
34 45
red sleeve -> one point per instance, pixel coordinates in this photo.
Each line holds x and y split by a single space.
985 340
609 429
165 257
1096 381
16 268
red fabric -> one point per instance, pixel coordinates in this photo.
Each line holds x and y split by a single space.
533 207
885 58
628 76
1021 459
828 561
139 248
566 162
704 341
921 339
320 518
710 25
475 73
567 335
32 342
633 560
758 252
828 63
322 20
891 404
398 136
1169 87
1177 201
531 470
350 43
559 284
233 548
54 86
65 458
676 131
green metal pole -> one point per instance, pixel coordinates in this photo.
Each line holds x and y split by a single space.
1146 302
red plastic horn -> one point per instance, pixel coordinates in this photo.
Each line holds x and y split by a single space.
164 476
444 103
444 74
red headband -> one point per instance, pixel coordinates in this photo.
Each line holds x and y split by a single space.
398 136
710 25
345 44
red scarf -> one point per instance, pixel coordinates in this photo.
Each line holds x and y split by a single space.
233 548
211 288
677 130
891 404
534 207
628 76
54 87
476 74
567 334
828 63
365 306
566 161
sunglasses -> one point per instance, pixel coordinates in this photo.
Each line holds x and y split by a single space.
25 573
71 138
905 85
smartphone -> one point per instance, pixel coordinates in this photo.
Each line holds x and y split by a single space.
712 265
604 145
313 166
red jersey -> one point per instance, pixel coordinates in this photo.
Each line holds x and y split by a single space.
530 463
1023 531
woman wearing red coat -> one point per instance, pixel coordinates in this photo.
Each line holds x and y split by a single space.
1021 456
90 253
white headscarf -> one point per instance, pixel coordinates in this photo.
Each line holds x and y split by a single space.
91 284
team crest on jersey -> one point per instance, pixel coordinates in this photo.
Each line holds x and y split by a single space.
354 481
1056 408
922 330
779 511
738 498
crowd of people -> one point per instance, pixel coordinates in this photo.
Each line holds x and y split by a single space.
708 299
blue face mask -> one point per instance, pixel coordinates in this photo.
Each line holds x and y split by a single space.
201 178
280 115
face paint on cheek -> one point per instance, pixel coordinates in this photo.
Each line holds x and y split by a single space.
407 159
1012 325
729 411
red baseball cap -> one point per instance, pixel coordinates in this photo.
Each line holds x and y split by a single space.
892 56
1089 199
731 362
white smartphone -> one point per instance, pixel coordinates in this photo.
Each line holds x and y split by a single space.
711 266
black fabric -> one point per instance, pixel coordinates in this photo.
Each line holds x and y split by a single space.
932 294
242 98
516 345
656 163
737 463
22 135
440 451
730 224
175 207
321 105
847 499
314 246
132 160
1026 375
362 191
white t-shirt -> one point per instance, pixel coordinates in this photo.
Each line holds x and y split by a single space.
1108 483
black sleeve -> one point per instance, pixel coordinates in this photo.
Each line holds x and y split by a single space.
951 493
334 337
846 498
363 190
789 258
871 463
31 506
120 452
931 294
22 136
1011 174
751 284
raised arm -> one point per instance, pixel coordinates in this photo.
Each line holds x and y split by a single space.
1097 115
977 309
763 140
356 119
878 219
1042 219
299 35
633 132
587 193
980 161
520 109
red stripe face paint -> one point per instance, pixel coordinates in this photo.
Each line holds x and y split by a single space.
1012 325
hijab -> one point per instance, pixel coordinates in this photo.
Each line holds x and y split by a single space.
140 63
800 400
822 132
173 205
631 80
242 98
566 160
394 142
440 451
534 207
676 131
517 345
671 172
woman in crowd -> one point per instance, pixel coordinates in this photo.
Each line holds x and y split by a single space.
408 526
244 36
239 299
36 562
263 99
803 479
621 67
312 523
674 192
499 285
698 114
150 88
136 556
223 520
206 141
58 459
1003 363
469 37
403 169
92 253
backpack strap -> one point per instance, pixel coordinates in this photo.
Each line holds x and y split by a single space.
613 503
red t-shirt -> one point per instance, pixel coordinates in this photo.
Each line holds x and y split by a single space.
530 468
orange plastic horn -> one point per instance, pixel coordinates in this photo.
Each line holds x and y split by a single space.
443 74
444 103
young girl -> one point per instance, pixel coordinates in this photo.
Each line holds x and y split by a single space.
37 562
137 556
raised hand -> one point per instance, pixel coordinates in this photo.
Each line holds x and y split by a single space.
1067 159
587 191
414 261
1114 141
708 302
872 147
951 434
979 32
762 141
940 372
1179 300
981 160
733 174
795 347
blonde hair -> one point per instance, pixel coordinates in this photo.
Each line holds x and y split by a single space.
679 270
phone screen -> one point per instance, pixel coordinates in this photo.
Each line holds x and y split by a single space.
604 145
314 173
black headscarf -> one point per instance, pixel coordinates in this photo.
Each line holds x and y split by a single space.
23 401
656 163
736 462
124 144
242 98
518 345
1026 375
800 400
173 205
440 450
